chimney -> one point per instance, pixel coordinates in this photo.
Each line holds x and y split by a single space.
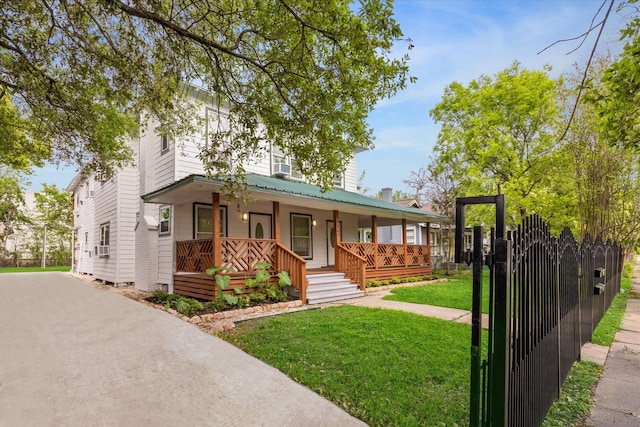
387 194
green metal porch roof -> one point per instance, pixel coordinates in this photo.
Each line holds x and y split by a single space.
298 189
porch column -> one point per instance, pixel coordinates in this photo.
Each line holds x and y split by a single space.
215 236
404 240
276 221
429 243
336 238
374 237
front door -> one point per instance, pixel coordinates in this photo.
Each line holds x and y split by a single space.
260 226
331 244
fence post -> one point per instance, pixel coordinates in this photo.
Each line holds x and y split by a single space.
499 370
475 417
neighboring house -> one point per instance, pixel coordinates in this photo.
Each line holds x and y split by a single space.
162 223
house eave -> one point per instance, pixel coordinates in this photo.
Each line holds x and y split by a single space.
197 187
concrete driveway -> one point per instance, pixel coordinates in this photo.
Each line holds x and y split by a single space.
74 355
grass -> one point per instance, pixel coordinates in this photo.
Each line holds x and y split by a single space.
34 269
576 396
384 367
456 293
610 323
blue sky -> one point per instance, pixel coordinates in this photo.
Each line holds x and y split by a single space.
453 41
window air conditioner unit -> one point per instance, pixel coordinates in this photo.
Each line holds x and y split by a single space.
103 250
281 169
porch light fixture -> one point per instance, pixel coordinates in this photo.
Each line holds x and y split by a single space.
314 223
245 216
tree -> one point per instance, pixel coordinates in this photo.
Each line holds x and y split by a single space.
53 209
11 208
499 136
606 175
301 75
618 98
438 184
17 150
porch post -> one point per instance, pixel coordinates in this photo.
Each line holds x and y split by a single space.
276 221
276 231
336 238
404 240
215 236
429 244
374 237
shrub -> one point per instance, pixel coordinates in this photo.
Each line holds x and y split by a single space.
257 296
627 270
396 280
187 306
218 304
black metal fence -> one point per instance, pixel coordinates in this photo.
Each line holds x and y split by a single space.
547 295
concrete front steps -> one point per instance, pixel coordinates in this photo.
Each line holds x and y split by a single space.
328 287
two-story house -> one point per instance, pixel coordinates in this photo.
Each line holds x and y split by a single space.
161 223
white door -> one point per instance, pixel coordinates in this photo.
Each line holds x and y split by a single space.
331 244
260 226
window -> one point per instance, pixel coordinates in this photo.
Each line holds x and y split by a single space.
86 241
103 249
165 220
104 234
203 221
293 171
411 236
338 180
164 147
301 235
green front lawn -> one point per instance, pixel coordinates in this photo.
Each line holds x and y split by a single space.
385 367
610 322
456 293
34 269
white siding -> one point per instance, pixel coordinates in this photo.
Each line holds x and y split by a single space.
351 176
127 202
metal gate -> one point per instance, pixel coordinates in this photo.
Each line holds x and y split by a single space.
547 294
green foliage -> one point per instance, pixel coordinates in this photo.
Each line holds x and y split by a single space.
576 396
34 269
219 304
498 137
385 367
307 73
627 270
232 300
455 293
53 208
618 98
18 150
257 296
183 305
605 332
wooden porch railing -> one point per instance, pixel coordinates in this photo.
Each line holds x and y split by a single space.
352 265
383 255
289 261
241 255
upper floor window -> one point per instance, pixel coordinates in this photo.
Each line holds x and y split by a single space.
338 180
165 144
287 167
165 220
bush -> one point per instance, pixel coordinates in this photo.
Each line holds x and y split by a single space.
257 296
627 270
218 304
188 305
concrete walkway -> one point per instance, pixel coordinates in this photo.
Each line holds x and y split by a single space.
618 391
74 355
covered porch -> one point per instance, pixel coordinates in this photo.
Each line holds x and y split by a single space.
331 244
